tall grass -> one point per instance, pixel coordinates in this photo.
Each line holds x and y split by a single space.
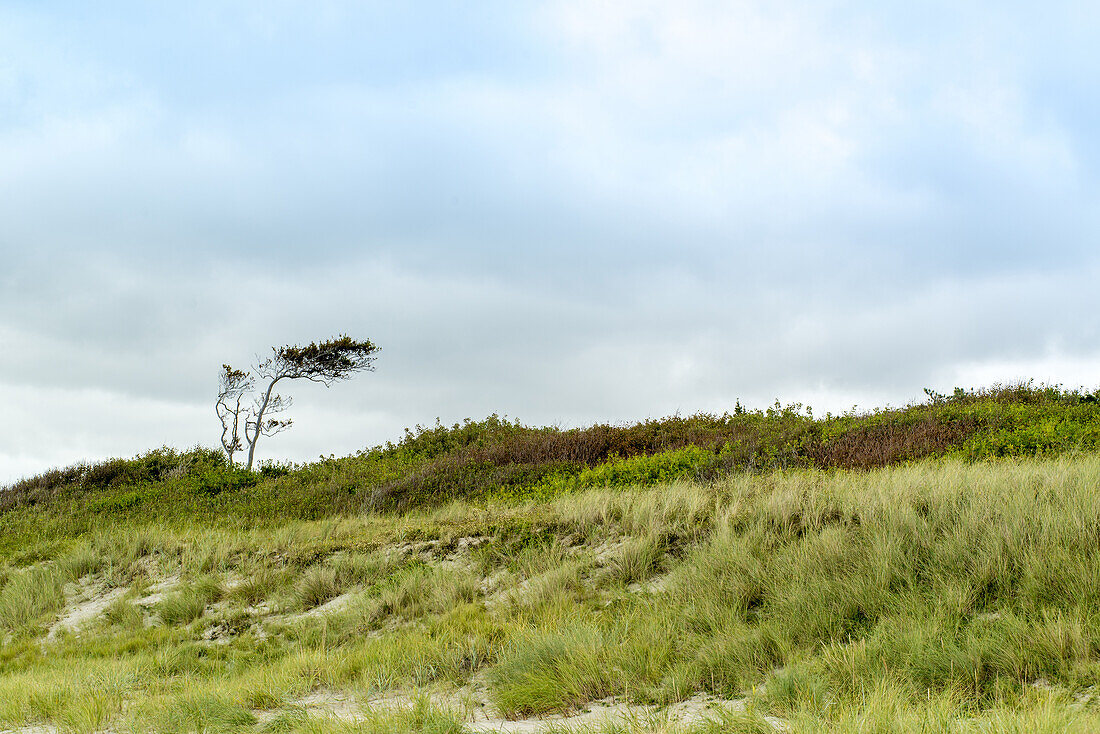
943 595
317 586
30 596
79 696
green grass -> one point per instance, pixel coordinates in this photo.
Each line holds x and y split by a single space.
188 603
845 599
316 586
955 592
30 596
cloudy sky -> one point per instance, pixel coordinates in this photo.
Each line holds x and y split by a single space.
563 212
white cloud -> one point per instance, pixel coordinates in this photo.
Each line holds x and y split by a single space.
601 211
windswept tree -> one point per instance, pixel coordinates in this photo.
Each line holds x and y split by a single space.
235 386
246 413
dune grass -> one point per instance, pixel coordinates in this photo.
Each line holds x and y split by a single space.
190 601
941 595
30 596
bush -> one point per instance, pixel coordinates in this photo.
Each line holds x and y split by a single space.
226 479
500 459
511 460
157 465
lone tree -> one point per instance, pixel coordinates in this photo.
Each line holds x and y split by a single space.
241 418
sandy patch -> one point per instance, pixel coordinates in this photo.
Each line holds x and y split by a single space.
471 704
158 591
694 711
321 704
86 602
425 550
436 551
332 606
607 552
332 705
656 585
460 558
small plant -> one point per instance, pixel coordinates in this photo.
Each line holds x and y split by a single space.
124 613
82 561
189 603
409 597
354 569
638 559
541 673
796 687
256 587
317 586
291 720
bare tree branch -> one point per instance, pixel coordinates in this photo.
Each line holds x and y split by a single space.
235 384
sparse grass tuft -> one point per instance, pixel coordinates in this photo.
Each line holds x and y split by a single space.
189 603
317 585
124 613
638 559
256 587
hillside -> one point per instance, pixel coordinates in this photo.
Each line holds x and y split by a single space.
929 568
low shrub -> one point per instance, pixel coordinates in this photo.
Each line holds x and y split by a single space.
498 459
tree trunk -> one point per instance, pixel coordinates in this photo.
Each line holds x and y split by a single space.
258 431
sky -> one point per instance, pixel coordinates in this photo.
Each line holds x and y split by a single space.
562 212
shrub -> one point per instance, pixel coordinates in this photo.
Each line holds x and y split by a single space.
226 479
500 459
